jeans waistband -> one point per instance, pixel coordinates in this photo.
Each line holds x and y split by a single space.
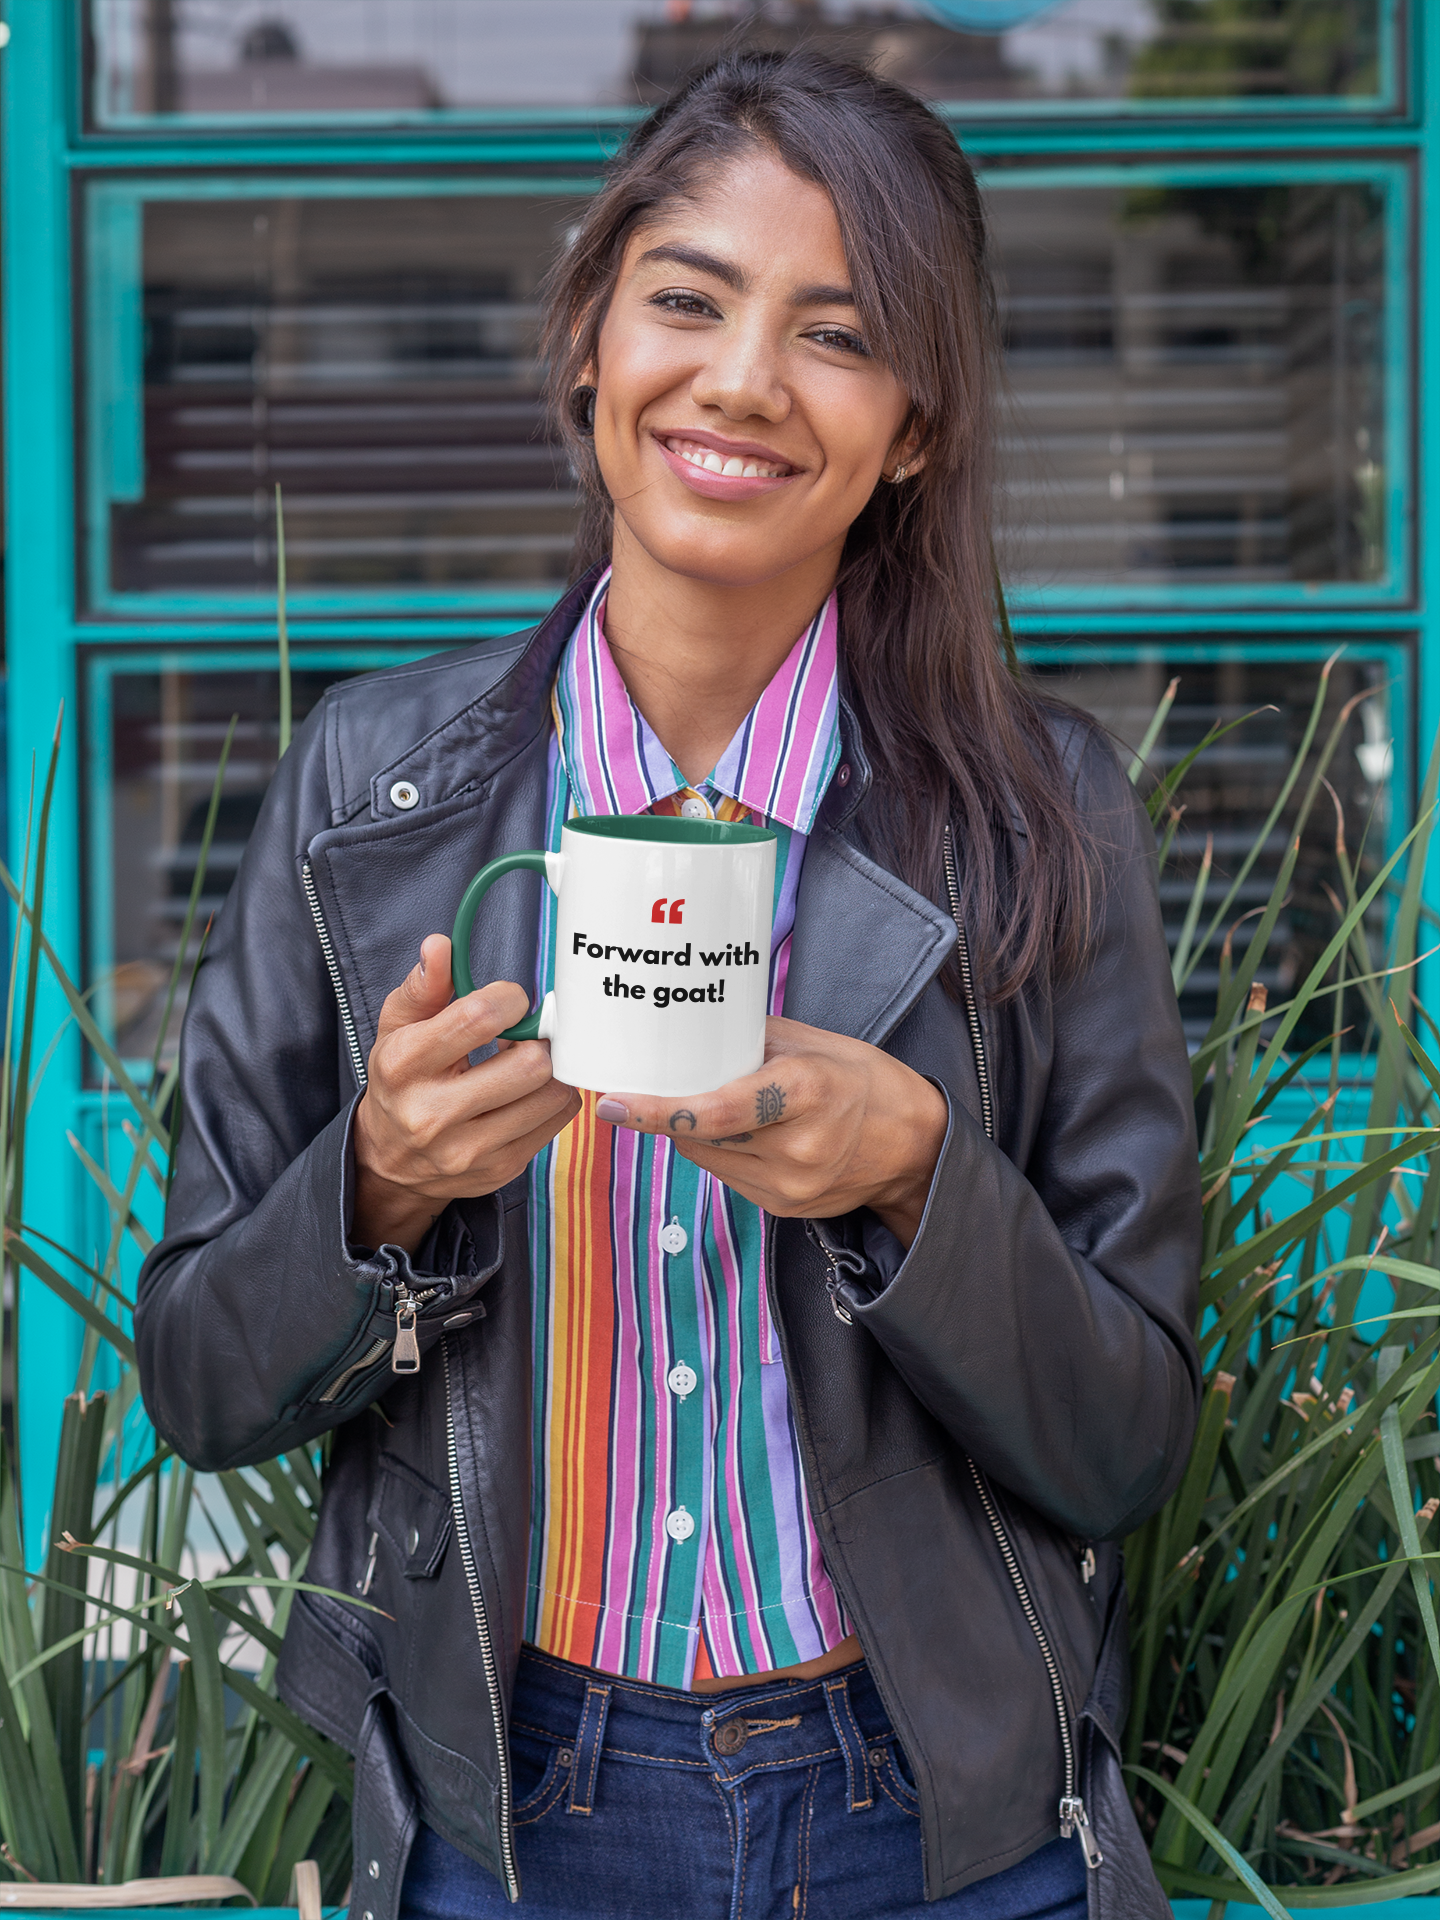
731 1734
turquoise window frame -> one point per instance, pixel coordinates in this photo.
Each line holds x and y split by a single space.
1388 100
113 401
47 152
113 456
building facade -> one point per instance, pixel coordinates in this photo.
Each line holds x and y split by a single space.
297 243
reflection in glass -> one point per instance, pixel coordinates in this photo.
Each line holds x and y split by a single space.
376 357
1227 796
411 59
1198 382
164 733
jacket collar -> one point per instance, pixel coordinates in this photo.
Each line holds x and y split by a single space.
472 745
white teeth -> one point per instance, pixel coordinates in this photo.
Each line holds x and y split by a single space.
733 468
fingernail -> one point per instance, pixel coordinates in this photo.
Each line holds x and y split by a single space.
422 963
615 1111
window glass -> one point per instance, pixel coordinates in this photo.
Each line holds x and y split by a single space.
373 355
407 59
1198 378
1201 378
155 729
155 738
1227 795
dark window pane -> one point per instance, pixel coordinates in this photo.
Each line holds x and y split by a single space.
1198 377
1198 383
164 734
422 58
376 357
1227 796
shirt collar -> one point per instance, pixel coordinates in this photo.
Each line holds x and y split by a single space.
778 764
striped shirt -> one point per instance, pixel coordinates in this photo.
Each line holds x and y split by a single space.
670 1533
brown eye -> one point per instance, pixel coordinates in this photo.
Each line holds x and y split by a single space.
840 340
693 306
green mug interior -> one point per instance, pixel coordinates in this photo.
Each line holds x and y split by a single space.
668 830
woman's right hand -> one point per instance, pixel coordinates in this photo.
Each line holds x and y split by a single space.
431 1128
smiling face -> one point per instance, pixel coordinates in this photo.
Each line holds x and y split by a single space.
741 422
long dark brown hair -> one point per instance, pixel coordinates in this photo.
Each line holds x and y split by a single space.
954 730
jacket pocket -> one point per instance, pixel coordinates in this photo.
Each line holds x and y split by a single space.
386 1816
411 1516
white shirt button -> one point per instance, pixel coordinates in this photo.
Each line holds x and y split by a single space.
694 809
404 796
674 1238
682 1380
679 1525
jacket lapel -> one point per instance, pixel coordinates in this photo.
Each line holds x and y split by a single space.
865 945
383 886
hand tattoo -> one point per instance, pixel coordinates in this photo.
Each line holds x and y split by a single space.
769 1104
733 1140
682 1113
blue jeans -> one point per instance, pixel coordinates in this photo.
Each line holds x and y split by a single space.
759 1803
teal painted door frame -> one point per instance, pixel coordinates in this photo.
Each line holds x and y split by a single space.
46 159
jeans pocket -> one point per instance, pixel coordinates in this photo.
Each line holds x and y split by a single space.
893 1776
540 1770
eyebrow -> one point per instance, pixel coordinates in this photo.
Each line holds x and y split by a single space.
700 262
724 270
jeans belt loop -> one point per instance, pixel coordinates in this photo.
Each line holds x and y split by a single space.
852 1745
588 1743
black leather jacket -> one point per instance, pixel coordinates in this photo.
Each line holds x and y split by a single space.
1012 1395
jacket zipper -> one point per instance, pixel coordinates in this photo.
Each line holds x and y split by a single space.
967 981
405 1352
1073 1817
352 1038
482 1632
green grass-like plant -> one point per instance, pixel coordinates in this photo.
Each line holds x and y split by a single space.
140 1732
1285 1734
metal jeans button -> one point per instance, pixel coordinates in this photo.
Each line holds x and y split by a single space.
730 1736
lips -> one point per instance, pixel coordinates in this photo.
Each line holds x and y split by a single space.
723 469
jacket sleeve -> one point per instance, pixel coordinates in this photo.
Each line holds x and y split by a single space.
1045 1312
254 1302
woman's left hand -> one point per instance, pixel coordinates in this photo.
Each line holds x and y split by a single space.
828 1124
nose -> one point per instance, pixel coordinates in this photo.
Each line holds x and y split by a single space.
742 376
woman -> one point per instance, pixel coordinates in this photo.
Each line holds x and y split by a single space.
730 1481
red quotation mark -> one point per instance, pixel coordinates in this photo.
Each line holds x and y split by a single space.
657 913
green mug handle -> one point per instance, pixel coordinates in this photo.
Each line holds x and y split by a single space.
529 1027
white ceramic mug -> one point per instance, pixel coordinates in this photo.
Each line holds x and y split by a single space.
662 953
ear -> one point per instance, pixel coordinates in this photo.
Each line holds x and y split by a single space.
905 450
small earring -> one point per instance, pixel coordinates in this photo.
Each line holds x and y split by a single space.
899 474
582 411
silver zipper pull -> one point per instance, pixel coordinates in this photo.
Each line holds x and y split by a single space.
1087 1565
406 1357
837 1304
362 1587
1074 1819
